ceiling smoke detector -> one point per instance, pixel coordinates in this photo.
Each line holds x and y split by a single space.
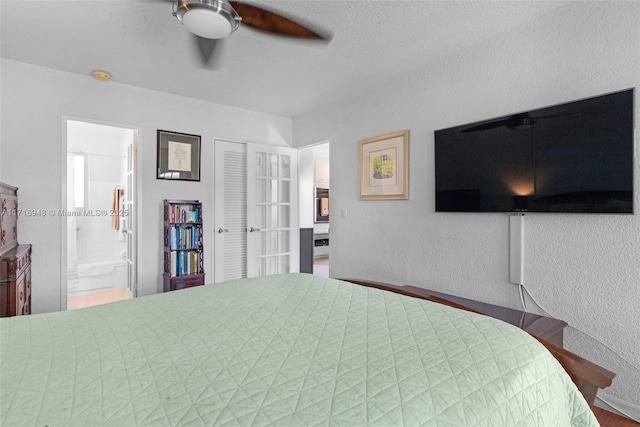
101 75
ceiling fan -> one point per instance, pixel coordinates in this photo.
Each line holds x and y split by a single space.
212 20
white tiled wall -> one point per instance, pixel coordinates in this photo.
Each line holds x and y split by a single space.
96 237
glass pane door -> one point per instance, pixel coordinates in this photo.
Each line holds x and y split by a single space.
272 188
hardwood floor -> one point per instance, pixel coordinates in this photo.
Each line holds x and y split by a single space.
609 419
96 299
321 266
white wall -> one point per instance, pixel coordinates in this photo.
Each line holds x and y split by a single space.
305 189
308 160
34 102
581 268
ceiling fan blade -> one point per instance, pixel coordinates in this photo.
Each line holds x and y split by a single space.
271 22
208 51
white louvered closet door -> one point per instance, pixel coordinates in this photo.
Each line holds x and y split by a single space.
256 210
230 215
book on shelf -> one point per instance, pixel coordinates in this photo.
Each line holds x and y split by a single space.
184 214
181 237
184 262
191 216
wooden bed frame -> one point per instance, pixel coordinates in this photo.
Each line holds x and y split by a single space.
587 376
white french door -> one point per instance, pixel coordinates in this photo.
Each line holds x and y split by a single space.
130 215
272 210
255 211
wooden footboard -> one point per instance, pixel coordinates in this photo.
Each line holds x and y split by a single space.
587 376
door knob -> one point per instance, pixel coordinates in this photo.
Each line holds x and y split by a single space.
222 230
251 229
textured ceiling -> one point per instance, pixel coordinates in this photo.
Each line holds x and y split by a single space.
142 44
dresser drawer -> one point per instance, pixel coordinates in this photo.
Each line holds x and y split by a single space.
23 260
14 262
23 294
8 222
15 289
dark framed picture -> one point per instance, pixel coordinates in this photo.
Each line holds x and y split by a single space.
178 156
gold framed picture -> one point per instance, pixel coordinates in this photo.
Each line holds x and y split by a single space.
384 167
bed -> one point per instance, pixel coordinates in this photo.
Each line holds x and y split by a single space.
291 349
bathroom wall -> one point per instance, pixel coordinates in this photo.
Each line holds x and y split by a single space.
105 149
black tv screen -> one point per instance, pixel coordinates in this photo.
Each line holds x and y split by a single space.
575 157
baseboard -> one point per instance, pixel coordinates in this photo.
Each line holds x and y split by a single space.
618 406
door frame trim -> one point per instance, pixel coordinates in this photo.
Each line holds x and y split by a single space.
63 197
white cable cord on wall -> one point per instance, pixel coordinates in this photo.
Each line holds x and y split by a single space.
516 276
522 300
524 290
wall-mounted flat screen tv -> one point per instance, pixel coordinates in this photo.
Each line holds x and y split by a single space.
576 157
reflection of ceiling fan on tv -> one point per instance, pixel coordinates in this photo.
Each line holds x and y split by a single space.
521 121
517 121
212 20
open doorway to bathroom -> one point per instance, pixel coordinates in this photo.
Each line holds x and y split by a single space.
101 163
314 188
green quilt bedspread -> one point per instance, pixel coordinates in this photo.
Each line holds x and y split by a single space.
290 349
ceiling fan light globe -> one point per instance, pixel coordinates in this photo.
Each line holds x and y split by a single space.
210 19
207 24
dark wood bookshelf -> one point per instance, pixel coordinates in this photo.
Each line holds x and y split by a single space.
183 247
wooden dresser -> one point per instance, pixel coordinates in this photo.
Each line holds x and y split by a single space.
15 259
